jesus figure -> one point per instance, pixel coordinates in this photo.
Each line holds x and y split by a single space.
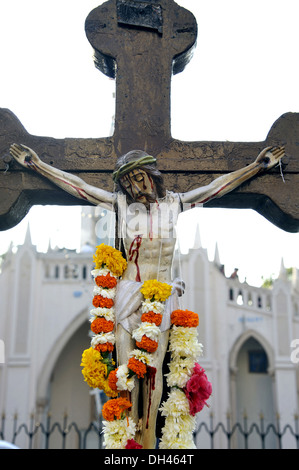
147 214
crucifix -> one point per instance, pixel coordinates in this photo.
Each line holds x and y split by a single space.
141 44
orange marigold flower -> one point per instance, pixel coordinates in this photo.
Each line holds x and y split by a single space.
101 325
104 347
113 409
138 367
152 317
184 318
108 390
148 344
106 281
112 380
103 302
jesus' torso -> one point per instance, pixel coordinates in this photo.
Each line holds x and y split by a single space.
149 237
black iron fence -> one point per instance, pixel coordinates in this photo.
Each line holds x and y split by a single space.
208 435
249 435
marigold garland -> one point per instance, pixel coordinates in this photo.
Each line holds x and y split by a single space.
93 368
113 409
184 318
109 265
109 257
100 324
137 367
96 361
95 371
189 386
105 347
146 336
112 380
142 356
107 281
103 302
155 290
147 344
139 364
151 317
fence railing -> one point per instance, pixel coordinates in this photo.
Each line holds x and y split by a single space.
249 435
209 435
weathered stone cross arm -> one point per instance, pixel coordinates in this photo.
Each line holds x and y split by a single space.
275 195
20 189
142 44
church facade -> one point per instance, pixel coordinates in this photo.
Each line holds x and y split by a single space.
248 333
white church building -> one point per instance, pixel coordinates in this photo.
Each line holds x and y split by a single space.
248 335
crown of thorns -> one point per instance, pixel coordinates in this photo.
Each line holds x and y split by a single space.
127 167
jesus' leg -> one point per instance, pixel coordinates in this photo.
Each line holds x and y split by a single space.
124 345
152 393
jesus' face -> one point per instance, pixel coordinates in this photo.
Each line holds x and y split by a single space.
140 186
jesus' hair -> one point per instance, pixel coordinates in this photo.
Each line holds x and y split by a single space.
150 169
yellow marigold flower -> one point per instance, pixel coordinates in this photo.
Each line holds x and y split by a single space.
111 258
156 290
95 371
107 390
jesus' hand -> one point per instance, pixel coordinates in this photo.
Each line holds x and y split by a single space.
23 155
270 157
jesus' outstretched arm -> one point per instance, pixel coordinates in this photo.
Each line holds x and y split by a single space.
267 159
68 182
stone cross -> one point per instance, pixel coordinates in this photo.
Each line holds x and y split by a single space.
141 44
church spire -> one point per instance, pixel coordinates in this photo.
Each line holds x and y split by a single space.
216 256
197 241
28 239
283 272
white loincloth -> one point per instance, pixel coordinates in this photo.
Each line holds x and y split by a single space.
128 302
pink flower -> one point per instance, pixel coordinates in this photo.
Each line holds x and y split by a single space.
131 444
198 389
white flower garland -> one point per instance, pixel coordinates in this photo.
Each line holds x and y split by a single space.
148 329
107 313
107 293
118 432
155 306
102 338
184 347
184 343
142 356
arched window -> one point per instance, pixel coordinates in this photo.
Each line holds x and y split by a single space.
240 299
257 361
84 272
66 272
56 272
254 390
